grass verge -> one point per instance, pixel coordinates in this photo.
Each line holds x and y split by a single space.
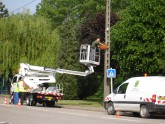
87 102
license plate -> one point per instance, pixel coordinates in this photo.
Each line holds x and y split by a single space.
161 97
49 97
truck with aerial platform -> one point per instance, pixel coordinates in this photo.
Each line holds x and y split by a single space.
36 78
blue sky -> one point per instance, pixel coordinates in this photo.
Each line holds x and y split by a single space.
15 4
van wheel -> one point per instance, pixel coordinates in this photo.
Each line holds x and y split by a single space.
144 112
110 109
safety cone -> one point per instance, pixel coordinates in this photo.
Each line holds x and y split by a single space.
19 102
5 101
118 114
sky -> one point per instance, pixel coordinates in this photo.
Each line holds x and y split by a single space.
12 5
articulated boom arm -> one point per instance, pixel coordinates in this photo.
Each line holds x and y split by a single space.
29 70
35 75
87 72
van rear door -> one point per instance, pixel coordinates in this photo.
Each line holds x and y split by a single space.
161 93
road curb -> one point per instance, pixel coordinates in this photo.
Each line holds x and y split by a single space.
78 107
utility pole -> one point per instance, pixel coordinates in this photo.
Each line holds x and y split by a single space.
107 52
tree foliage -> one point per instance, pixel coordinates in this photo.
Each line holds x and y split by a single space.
138 40
26 38
60 11
80 22
3 10
75 87
68 14
68 59
119 5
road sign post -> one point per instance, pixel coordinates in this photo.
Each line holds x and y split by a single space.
111 73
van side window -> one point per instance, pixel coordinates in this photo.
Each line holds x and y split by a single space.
123 88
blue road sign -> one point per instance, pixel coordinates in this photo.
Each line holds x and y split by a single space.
111 73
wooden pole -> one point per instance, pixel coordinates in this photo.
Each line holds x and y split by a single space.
107 52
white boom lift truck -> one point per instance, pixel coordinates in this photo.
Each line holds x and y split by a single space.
35 77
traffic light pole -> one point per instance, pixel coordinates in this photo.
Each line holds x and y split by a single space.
107 52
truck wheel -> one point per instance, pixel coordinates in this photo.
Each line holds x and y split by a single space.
30 101
33 103
27 101
21 100
111 109
144 112
50 104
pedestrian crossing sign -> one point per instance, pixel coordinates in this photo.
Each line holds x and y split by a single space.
111 73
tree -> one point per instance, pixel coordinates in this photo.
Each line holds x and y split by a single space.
88 32
60 11
80 21
28 39
67 16
119 5
3 10
138 41
75 87
68 59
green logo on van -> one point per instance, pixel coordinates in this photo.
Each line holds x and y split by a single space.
136 84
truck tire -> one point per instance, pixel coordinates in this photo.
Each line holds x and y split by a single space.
30 101
33 103
27 101
22 98
144 112
110 108
50 104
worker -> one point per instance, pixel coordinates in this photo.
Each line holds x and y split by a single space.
96 43
22 91
16 93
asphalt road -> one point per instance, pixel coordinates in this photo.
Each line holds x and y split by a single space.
12 114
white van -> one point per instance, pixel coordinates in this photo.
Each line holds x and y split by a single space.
140 95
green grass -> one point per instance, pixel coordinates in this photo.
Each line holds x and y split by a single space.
87 102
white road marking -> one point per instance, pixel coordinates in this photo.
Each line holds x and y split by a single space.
38 109
123 119
69 113
3 123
